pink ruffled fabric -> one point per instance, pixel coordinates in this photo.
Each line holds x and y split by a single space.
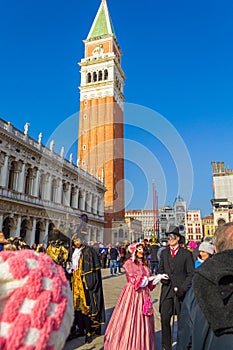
36 302
129 328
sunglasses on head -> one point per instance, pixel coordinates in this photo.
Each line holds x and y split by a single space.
172 237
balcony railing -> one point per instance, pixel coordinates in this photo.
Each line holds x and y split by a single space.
46 151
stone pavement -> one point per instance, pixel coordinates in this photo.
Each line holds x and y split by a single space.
112 287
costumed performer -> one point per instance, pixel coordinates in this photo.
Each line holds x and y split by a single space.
132 323
86 285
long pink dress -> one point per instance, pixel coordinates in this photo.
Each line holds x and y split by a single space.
129 328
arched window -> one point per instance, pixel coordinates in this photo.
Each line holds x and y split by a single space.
121 232
29 182
98 236
11 176
221 222
53 190
6 227
89 77
38 232
25 226
100 75
51 226
72 196
94 76
105 74
92 235
80 199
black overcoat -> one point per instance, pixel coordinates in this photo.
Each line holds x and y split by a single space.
179 269
91 271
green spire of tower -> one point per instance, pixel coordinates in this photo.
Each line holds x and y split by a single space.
102 24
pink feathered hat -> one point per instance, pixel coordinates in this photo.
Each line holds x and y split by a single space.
132 249
36 302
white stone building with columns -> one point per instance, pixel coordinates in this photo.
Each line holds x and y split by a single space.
39 189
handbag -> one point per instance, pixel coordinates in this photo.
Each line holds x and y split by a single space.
147 308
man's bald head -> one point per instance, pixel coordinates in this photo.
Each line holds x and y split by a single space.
223 237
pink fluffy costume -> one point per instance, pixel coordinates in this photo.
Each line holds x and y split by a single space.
36 303
129 328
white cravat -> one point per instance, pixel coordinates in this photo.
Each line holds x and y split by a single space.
75 258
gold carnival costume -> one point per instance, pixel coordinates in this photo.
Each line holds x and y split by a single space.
58 253
78 285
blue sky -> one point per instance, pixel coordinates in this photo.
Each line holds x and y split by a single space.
177 57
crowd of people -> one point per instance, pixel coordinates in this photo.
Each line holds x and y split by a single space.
196 288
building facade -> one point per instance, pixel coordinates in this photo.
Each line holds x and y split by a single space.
146 217
134 229
152 223
208 226
194 231
188 221
126 230
101 120
222 181
222 202
180 212
40 190
222 211
166 219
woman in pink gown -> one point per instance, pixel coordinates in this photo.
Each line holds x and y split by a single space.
131 326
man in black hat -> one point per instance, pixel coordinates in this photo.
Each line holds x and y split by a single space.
86 285
178 264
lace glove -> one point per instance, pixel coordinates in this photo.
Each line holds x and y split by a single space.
159 277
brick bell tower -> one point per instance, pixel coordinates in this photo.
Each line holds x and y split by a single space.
101 120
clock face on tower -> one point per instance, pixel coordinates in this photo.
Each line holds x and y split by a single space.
180 208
